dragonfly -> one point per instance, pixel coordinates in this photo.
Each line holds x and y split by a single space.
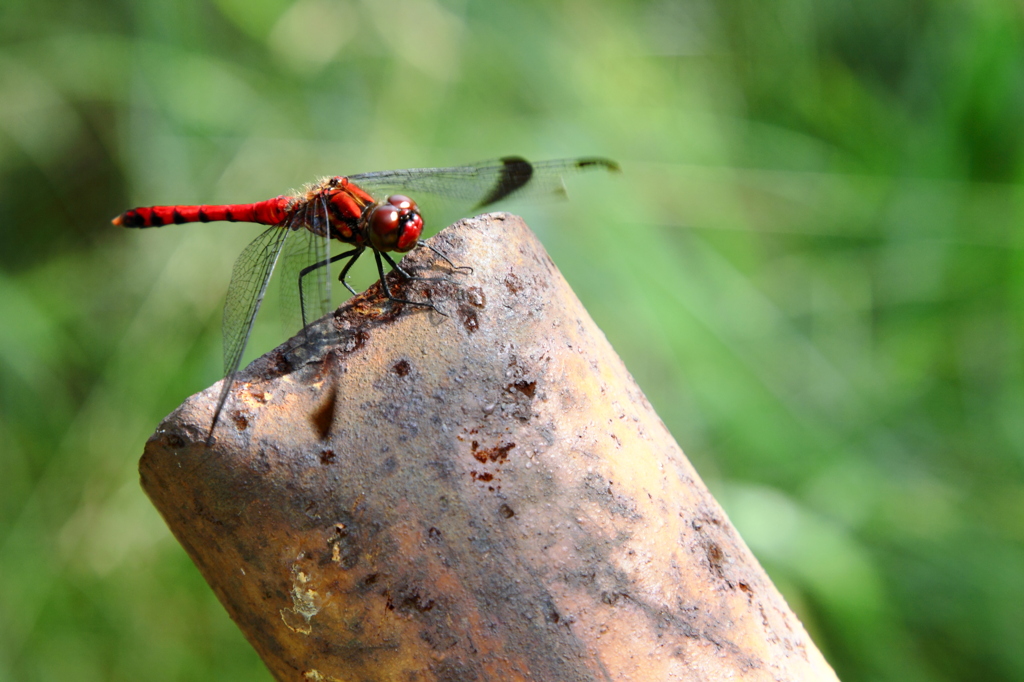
367 211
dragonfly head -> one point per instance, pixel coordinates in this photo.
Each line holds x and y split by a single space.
395 225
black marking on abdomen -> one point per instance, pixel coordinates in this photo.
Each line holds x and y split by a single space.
203 218
132 219
155 220
229 215
516 172
178 218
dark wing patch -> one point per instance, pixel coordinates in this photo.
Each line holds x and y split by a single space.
515 173
458 191
598 162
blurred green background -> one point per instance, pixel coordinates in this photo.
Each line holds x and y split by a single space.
813 264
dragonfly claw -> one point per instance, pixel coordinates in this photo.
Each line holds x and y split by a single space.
446 259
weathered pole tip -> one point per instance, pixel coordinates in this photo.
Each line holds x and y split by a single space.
397 495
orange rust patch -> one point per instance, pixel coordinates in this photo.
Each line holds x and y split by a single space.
496 454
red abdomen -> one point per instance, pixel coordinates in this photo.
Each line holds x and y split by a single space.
269 212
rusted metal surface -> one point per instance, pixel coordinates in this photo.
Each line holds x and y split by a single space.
399 496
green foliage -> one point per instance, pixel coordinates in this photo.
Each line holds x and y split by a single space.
813 264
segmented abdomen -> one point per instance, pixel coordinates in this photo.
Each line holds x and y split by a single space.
269 212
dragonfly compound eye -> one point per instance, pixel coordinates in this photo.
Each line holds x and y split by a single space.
412 228
395 227
402 201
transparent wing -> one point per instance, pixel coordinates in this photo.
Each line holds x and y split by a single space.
309 298
249 280
476 186
306 297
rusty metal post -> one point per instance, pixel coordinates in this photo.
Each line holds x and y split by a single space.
396 495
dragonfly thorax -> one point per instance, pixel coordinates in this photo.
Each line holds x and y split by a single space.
333 208
342 210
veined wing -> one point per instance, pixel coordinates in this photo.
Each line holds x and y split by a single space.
249 280
478 185
304 298
306 277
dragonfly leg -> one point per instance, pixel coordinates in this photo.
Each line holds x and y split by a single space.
351 261
387 290
405 274
441 255
315 266
396 266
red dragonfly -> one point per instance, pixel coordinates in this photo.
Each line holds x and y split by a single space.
367 211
